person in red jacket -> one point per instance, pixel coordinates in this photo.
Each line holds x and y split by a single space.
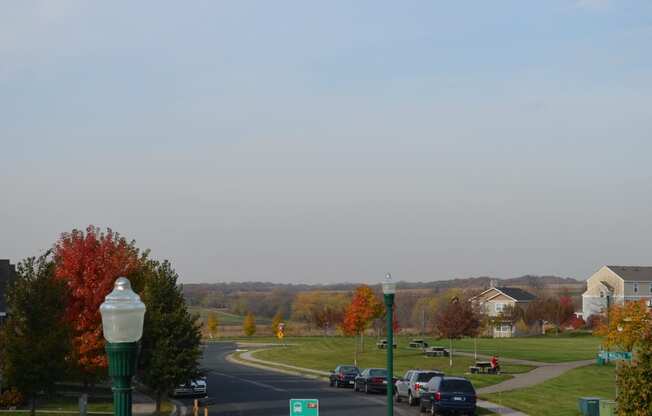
495 366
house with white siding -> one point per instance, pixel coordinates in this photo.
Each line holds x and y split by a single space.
492 302
616 285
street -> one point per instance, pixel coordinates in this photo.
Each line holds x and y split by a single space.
238 390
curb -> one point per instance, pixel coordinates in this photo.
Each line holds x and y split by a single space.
239 360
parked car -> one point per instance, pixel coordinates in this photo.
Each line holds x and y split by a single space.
344 376
371 380
450 395
412 384
197 387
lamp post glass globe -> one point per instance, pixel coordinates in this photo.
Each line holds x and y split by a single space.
122 313
389 286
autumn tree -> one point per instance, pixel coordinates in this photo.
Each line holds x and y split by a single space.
324 310
423 312
634 379
89 263
212 322
363 309
171 342
456 319
249 324
36 338
626 326
276 321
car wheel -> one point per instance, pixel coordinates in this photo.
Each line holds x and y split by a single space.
398 397
337 384
411 401
433 412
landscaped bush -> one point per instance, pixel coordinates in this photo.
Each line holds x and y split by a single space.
11 398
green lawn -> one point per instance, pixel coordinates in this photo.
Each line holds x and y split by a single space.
558 397
549 348
324 353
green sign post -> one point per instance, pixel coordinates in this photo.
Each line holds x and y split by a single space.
304 407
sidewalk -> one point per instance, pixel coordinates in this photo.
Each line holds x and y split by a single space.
536 376
142 404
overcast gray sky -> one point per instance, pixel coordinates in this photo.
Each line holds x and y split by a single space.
299 141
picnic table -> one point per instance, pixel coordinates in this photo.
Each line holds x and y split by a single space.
483 367
418 343
437 351
382 344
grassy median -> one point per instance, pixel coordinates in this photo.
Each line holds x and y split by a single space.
324 353
558 396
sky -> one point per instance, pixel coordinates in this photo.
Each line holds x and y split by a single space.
335 141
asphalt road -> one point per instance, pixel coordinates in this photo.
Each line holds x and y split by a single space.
238 390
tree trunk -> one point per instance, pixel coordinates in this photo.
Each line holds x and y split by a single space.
32 406
362 341
158 402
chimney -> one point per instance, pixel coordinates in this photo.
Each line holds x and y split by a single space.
493 283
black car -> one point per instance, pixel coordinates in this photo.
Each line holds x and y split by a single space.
448 395
371 380
343 376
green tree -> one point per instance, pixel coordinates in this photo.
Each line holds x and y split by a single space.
634 380
170 347
212 323
36 338
249 324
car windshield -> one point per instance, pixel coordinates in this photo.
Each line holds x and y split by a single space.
378 373
458 386
348 369
426 376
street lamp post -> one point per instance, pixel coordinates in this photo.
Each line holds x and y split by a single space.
389 289
122 323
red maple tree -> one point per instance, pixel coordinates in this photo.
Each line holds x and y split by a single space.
90 262
365 306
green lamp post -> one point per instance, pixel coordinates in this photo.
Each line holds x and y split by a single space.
389 289
122 322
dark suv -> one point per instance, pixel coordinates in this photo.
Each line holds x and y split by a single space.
448 395
343 376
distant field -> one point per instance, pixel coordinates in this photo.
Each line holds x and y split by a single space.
225 318
324 353
558 397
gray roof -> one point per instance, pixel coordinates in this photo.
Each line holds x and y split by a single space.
517 294
633 273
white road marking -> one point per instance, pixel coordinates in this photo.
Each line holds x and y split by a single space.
255 383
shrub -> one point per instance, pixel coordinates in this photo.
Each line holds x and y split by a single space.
11 398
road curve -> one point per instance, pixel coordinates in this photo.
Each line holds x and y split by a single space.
238 390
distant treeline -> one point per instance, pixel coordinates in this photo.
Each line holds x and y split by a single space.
265 299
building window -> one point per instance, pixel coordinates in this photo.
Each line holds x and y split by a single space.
650 287
602 293
635 287
499 307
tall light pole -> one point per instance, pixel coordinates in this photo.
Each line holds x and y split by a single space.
389 289
122 322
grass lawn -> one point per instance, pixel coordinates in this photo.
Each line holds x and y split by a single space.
558 397
549 348
324 353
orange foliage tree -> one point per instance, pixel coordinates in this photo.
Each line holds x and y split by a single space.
90 262
364 308
626 325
